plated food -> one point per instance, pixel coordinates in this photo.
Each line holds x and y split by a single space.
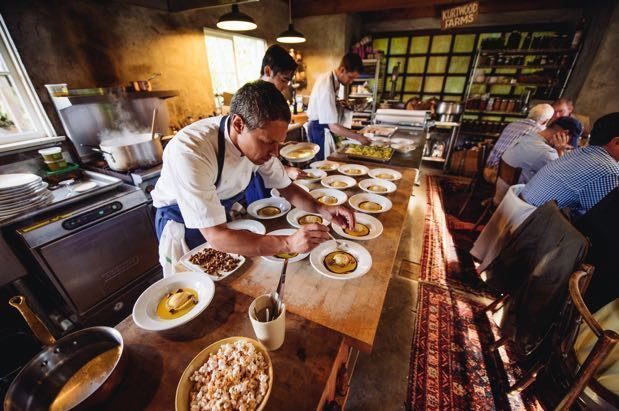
325 165
377 186
329 196
268 208
173 301
353 170
314 174
385 174
299 152
297 218
366 228
292 257
231 374
345 263
379 130
216 264
370 203
338 182
369 152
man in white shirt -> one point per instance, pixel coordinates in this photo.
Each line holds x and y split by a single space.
201 178
322 110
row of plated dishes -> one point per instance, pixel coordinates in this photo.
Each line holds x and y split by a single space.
179 298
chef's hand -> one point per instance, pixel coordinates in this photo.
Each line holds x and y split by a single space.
307 238
295 173
340 215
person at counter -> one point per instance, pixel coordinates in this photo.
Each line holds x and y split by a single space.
322 110
208 165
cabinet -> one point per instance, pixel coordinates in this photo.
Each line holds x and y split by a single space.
366 91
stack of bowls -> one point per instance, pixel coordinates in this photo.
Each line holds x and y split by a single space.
20 193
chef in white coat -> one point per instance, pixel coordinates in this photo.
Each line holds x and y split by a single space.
322 110
208 165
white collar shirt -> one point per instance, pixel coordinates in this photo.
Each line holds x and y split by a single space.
321 106
190 169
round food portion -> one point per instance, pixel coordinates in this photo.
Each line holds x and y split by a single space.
177 303
327 167
286 256
355 171
340 262
300 153
385 176
329 200
338 184
377 189
360 230
370 206
269 211
310 219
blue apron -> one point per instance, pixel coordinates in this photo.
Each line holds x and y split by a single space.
316 133
193 236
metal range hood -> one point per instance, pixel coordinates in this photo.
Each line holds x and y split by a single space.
183 5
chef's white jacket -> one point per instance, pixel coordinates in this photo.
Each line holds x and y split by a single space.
321 104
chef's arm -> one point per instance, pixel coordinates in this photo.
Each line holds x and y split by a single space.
340 130
244 242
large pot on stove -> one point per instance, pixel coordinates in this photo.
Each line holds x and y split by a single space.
138 151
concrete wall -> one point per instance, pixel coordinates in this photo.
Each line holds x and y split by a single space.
598 95
88 43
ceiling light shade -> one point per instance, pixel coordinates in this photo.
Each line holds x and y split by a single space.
291 36
236 21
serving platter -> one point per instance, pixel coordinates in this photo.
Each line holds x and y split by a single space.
186 261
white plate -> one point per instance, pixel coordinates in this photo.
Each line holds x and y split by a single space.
355 200
247 224
272 258
349 181
316 173
194 267
32 204
145 308
325 165
23 195
403 148
309 148
349 142
302 184
82 187
368 182
348 170
395 175
364 259
278 202
296 213
13 181
374 224
340 196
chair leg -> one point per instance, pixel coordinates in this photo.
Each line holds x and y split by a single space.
498 343
482 216
526 380
471 190
494 306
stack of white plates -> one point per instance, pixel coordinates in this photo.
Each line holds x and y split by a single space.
20 193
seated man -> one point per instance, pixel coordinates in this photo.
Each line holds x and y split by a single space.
580 179
564 107
535 149
536 121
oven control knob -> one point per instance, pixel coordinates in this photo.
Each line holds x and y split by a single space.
119 306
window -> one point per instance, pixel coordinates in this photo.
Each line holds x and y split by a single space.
233 59
21 115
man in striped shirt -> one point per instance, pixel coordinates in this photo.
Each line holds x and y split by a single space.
535 122
580 179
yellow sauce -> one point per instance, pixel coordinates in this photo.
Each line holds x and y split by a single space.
286 255
370 206
300 153
326 168
86 380
338 184
360 230
377 189
385 176
340 262
309 219
269 211
354 171
329 200
163 309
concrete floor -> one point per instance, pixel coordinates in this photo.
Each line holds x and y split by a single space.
379 381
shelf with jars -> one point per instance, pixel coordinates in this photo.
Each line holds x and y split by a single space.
365 92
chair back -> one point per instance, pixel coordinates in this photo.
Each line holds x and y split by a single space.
509 174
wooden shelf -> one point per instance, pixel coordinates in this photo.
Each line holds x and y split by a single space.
479 133
524 66
516 84
528 51
360 95
434 159
497 113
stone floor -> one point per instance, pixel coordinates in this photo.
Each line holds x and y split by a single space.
379 381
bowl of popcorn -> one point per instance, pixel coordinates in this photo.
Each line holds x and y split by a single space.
233 373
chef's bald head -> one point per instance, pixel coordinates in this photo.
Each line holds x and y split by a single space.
260 102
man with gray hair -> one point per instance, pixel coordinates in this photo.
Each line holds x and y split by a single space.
535 122
208 165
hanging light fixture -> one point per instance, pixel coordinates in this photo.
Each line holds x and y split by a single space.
291 35
236 21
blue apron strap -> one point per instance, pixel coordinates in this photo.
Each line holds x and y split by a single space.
221 148
255 190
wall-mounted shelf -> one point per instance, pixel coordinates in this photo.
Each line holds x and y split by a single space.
528 51
497 113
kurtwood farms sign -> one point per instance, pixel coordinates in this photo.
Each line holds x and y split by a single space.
459 16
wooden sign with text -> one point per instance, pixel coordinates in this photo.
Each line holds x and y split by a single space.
459 16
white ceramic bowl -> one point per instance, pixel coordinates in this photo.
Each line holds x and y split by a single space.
325 165
385 174
374 224
329 180
247 224
363 257
403 148
357 199
300 152
272 258
340 196
278 202
316 175
369 182
353 170
293 217
145 308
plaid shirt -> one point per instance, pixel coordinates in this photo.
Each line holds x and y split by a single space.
510 134
577 180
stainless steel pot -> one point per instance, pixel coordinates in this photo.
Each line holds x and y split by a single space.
140 151
448 110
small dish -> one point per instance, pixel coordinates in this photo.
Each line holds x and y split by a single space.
403 148
299 153
377 186
400 140
353 170
373 224
296 213
329 196
275 259
82 187
145 308
338 182
249 225
303 184
385 174
325 165
358 200
186 261
258 209
360 253
314 175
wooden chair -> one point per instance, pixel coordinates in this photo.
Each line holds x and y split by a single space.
507 176
484 150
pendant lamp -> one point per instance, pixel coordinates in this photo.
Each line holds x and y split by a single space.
236 21
291 35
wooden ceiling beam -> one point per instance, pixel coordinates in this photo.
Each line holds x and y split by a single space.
305 8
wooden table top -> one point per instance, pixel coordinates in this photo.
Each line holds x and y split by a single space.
301 367
353 307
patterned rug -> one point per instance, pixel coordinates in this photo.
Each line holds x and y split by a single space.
451 367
